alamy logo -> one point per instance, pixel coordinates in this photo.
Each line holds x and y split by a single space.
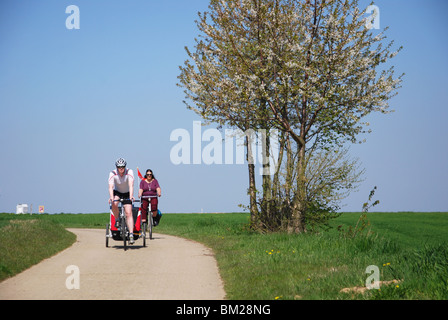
230 149
73 20
373 21
373 280
73 280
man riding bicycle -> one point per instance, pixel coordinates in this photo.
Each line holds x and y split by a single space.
121 186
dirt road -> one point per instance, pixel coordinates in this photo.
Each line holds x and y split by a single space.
168 268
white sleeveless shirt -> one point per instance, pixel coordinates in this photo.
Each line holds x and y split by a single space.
121 184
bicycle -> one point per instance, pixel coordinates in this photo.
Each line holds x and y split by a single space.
121 233
145 224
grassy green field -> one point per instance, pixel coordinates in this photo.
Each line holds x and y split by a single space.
405 246
26 240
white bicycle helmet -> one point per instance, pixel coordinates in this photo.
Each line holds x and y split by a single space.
120 162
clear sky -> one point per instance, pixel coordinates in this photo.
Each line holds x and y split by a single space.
74 100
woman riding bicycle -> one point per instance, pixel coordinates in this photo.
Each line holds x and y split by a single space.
149 187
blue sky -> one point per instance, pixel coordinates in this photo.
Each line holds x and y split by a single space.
72 101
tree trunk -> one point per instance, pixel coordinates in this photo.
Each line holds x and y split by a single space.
266 202
297 222
252 187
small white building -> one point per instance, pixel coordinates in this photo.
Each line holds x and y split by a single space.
21 208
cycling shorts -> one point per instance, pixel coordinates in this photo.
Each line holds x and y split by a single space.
123 196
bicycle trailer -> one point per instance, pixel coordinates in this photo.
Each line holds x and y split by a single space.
115 232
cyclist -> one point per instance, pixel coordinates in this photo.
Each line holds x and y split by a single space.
121 186
150 187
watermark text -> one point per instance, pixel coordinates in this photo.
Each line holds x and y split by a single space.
236 147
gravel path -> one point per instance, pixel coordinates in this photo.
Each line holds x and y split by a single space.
169 268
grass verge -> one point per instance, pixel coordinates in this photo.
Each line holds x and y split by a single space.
27 241
319 266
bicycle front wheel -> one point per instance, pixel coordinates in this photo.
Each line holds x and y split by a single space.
150 225
123 231
144 233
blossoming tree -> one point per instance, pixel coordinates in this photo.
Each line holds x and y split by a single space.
309 68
